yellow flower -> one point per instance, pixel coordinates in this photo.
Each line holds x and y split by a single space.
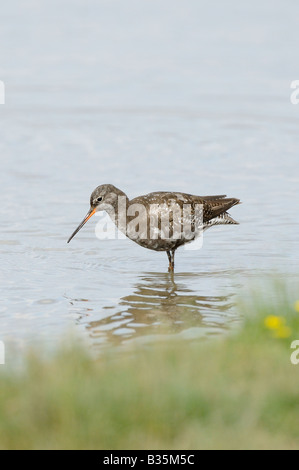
297 306
282 332
273 322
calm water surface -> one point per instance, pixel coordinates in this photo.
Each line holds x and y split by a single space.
192 98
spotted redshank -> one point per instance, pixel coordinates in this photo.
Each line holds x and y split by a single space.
165 220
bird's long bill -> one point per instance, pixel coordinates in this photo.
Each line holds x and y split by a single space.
86 218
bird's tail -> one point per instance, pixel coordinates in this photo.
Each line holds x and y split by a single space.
217 210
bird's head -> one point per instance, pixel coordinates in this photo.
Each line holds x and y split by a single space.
103 198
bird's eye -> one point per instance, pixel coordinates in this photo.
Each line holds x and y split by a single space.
99 199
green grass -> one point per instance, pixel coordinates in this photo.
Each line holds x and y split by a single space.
237 392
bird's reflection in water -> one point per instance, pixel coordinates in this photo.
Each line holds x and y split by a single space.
160 306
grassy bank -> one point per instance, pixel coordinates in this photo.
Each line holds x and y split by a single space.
235 392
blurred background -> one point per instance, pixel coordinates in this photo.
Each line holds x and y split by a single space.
188 96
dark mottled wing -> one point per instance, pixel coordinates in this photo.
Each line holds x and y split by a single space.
213 206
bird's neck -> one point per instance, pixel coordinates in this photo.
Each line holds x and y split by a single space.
118 210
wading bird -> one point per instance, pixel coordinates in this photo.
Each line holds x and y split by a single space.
165 220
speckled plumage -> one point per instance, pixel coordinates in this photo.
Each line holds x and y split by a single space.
145 216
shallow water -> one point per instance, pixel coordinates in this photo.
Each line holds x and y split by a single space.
193 98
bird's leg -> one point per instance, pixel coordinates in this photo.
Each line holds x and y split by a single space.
170 261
